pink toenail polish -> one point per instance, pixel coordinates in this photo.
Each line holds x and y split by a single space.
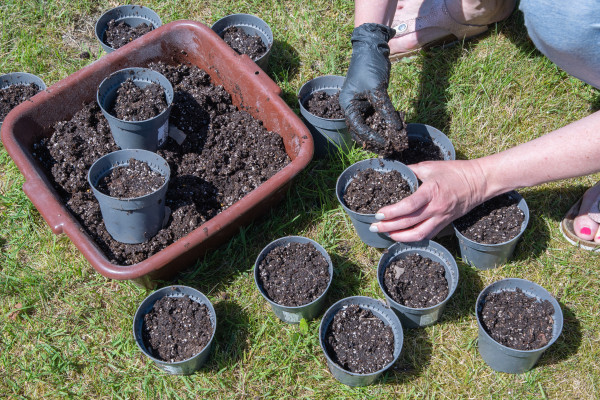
585 231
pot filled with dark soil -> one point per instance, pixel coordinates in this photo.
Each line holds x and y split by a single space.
368 185
417 280
518 320
320 107
137 103
425 143
488 234
131 186
293 274
175 326
122 25
247 34
361 338
15 88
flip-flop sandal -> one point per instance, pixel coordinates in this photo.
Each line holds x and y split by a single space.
568 230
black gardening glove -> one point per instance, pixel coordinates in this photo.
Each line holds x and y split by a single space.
367 81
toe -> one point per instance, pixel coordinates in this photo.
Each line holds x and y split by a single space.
585 227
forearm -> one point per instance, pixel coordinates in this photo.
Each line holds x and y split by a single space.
376 11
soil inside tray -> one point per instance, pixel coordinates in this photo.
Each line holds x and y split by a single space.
370 190
12 96
324 105
134 103
497 220
135 179
359 341
418 150
120 33
517 320
226 154
176 328
294 274
416 281
243 43
395 141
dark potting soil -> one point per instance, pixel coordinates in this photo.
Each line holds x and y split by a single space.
416 281
396 141
134 103
370 190
324 105
14 95
359 341
494 221
418 151
517 320
176 328
135 179
226 154
120 33
240 41
294 274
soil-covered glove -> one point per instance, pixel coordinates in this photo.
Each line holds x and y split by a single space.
367 81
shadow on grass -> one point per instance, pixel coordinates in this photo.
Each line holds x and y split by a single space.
284 61
567 343
414 359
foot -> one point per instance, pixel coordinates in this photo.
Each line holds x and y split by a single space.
463 12
585 227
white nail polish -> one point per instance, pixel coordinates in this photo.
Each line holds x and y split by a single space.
373 228
379 216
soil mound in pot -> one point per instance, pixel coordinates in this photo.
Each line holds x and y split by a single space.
495 221
324 105
133 180
177 328
359 341
416 281
14 95
418 151
370 190
134 103
395 141
118 34
516 320
225 155
294 275
240 41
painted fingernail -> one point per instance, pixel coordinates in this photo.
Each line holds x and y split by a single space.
373 228
585 231
379 216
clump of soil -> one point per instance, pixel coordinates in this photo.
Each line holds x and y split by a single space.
240 41
516 320
359 341
418 151
118 34
324 105
371 189
416 281
396 141
177 328
135 179
134 103
495 221
14 95
226 154
294 274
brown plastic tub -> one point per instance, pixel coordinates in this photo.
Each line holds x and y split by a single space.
180 42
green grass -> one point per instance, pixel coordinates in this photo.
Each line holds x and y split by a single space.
65 331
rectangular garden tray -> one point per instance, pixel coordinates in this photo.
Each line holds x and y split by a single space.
177 42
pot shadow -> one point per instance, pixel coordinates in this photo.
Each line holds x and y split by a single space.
568 342
284 63
414 358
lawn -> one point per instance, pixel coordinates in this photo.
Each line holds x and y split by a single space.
65 330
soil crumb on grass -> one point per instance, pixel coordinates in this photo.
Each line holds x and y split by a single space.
134 103
243 43
371 189
120 33
14 95
324 105
135 179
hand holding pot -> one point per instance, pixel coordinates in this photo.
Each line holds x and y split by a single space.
367 81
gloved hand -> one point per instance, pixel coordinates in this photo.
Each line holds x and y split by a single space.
367 81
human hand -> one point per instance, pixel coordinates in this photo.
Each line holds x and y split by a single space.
449 190
367 81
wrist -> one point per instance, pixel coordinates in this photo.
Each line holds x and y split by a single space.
371 31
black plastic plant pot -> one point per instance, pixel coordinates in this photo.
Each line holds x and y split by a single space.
505 359
184 367
251 25
131 15
137 219
293 315
329 134
488 256
431 134
382 312
419 317
362 222
20 78
149 134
